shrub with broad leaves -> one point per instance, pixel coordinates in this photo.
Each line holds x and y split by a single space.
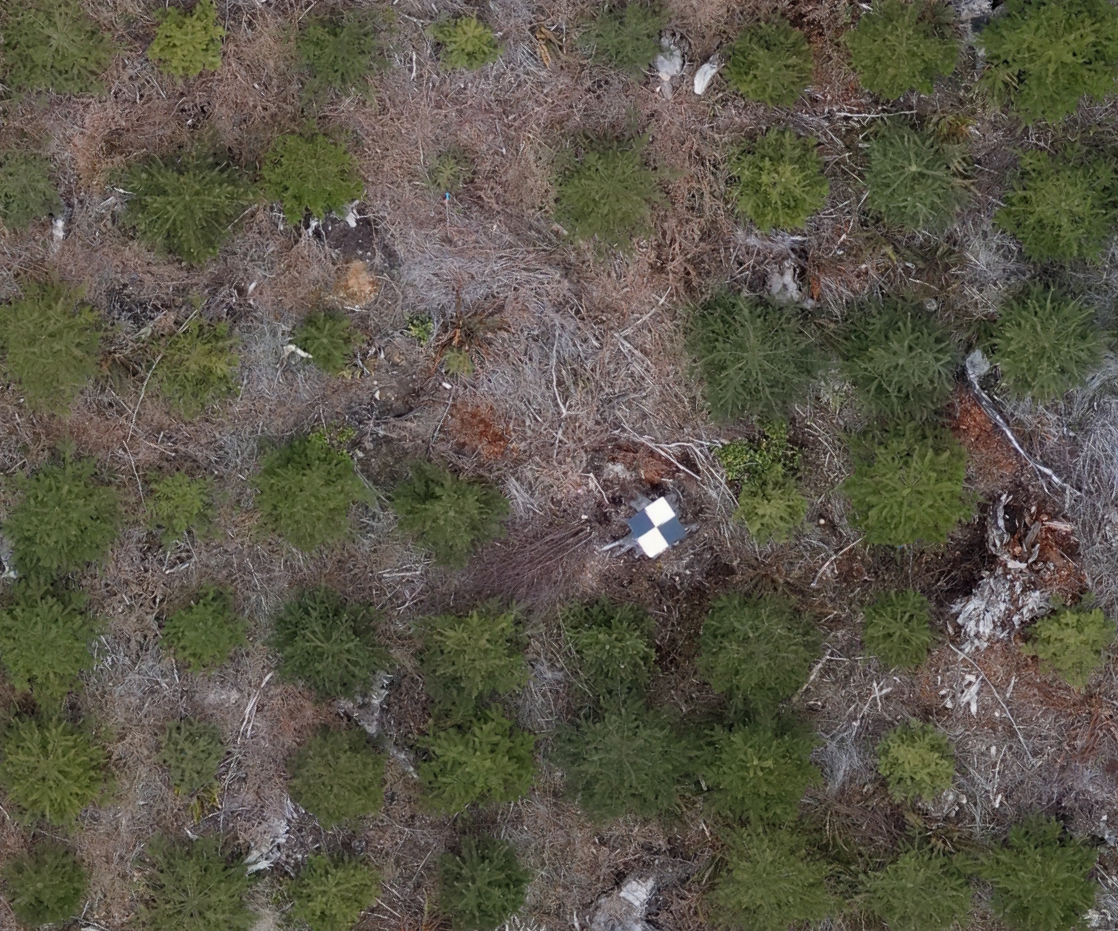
778 181
49 769
917 761
483 886
338 777
204 633
45 886
310 175
770 62
331 893
900 45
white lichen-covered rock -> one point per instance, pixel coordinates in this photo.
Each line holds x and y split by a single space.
365 709
783 286
624 909
268 840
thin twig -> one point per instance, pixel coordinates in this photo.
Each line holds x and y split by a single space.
830 562
1020 736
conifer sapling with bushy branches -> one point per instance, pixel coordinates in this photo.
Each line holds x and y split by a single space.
1047 343
310 175
914 178
53 45
45 886
328 338
305 490
187 44
340 50
607 195
1041 877
770 62
465 42
63 519
922 890
26 189
448 514
778 180
899 45
49 769
917 761
50 343
613 646
626 37
1072 642
1043 56
178 503
897 628
198 366
337 777
483 886
770 881
908 487
901 361
327 644
192 752
193 887
204 633
757 650
755 358
484 759
331 892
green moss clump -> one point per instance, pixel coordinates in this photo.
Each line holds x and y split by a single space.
921 890
53 45
51 344
898 46
913 178
328 338
607 197
747 460
327 644
483 887
63 519
778 180
626 38
49 769
310 175
337 777
330 894
1072 642
187 44
204 634
178 503
897 628
45 886
917 761
770 62
305 490
194 888
340 51
1047 343
465 42
26 189
192 751
198 366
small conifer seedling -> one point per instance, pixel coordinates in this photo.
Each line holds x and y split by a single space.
1041 877
49 769
340 51
917 761
626 38
913 178
337 777
770 62
467 659
1043 56
305 490
1046 344
771 506
186 208
331 893
909 488
194 888
746 460
328 338
187 44
770 881
204 633
327 644
1062 207
1071 641
310 175
613 645
486 759
465 42
46 886
449 171
26 189
192 752
922 890
448 514
901 361
757 650
63 519
53 45
607 197
483 887
756 359
198 366
45 634
178 503
50 343
903 44
757 773
629 760
897 628
778 180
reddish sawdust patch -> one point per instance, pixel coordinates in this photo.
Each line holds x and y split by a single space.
991 459
479 428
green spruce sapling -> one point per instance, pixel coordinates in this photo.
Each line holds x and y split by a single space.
192 752
187 44
770 62
204 633
26 189
53 45
178 503
917 761
1072 642
198 366
898 46
331 893
778 181
310 175
626 38
613 646
465 42
449 171
914 178
339 51
482 887
897 628
49 769
328 338
338 777
193 887
769 499
922 890
45 886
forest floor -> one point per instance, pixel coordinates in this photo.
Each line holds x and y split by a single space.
580 402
